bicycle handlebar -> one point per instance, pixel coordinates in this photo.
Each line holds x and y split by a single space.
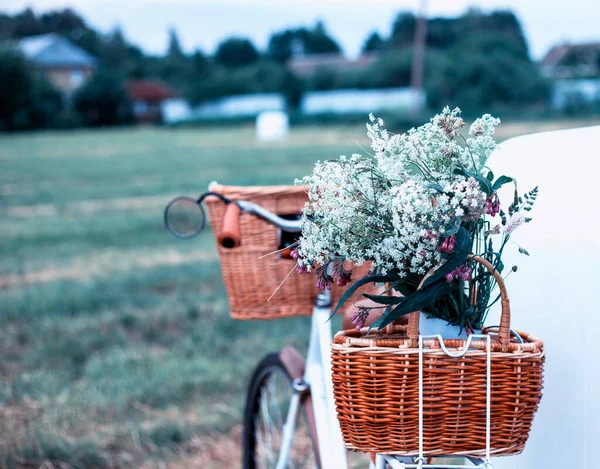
230 235
177 219
291 226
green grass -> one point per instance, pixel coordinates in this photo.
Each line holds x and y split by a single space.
116 347
116 342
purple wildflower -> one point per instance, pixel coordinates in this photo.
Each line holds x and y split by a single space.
448 244
492 205
463 272
360 317
324 280
341 275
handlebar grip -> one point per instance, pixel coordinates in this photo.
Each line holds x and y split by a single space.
231 234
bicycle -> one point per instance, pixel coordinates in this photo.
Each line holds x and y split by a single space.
290 417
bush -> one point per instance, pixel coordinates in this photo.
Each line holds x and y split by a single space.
485 75
236 52
103 101
262 77
27 101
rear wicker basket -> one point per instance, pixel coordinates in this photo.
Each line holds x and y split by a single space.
376 388
250 277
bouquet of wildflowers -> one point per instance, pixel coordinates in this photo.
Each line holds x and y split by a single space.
418 205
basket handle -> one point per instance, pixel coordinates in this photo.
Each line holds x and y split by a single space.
230 235
504 329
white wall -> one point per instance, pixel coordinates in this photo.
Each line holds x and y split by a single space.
365 101
313 103
555 293
248 105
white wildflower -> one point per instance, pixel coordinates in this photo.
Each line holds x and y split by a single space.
484 126
384 208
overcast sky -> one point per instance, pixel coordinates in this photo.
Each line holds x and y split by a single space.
203 23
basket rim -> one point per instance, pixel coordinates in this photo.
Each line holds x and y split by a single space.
396 339
251 192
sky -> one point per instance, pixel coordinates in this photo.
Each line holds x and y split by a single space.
203 23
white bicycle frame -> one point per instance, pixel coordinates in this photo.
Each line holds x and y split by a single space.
317 376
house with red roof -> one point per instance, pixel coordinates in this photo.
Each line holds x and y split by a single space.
147 97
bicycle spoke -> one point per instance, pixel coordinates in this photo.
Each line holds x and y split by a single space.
268 426
278 416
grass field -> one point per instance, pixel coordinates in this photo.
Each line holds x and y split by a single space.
116 348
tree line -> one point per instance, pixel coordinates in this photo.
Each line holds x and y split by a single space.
478 60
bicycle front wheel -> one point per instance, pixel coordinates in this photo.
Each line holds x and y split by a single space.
268 403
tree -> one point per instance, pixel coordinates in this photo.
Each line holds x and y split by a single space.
174 49
174 67
261 77
26 24
15 86
287 43
484 75
403 30
318 41
443 33
281 45
103 100
373 43
199 63
27 101
236 52
115 52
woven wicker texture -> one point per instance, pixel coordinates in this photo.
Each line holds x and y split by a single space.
376 388
250 279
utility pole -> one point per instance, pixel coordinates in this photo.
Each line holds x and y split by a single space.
416 78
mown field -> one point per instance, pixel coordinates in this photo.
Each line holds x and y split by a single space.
116 349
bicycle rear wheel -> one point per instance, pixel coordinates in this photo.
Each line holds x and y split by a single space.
268 401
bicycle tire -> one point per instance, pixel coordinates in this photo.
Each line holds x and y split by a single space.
256 453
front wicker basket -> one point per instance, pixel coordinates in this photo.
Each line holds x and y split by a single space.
250 275
376 388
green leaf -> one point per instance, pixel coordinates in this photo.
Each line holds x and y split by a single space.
462 248
403 288
415 302
383 299
435 186
485 185
490 176
452 227
355 286
415 168
395 276
501 181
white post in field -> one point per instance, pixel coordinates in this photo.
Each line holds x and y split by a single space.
272 126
